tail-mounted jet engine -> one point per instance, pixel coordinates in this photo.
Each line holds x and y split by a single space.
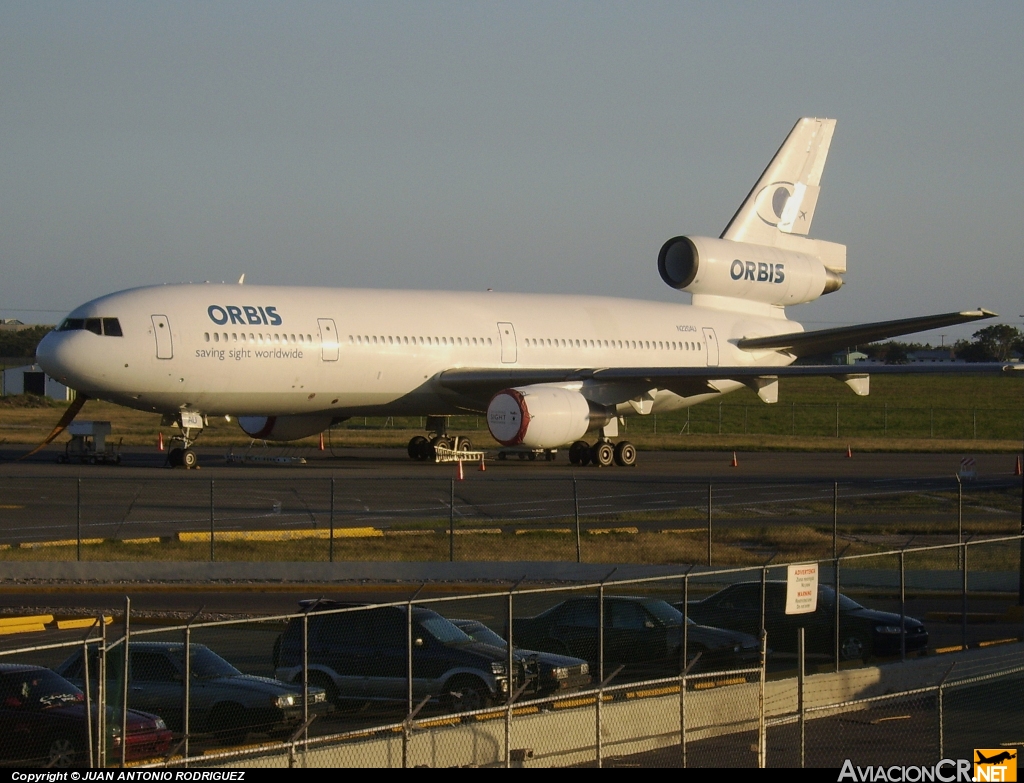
542 416
722 267
283 427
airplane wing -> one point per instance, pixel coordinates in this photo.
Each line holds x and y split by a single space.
482 383
828 340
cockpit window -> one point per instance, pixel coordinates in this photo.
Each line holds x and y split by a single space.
111 327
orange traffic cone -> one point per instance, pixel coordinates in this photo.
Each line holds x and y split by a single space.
1018 471
735 463
849 452
321 441
461 475
160 443
483 465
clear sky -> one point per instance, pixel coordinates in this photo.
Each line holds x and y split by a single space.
549 146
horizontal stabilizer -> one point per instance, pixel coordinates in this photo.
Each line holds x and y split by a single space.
828 340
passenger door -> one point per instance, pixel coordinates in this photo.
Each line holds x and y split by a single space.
507 333
162 334
711 346
328 339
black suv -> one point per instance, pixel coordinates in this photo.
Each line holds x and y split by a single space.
360 654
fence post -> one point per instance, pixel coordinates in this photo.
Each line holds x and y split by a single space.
719 418
903 607
709 524
801 674
835 520
600 670
101 698
963 598
576 511
792 407
78 517
942 716
959 515
835 579
837 419
451 521
213 555
762 745
330 548
682 680
88 693
124 682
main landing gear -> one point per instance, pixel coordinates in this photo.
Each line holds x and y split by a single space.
603 453
424 449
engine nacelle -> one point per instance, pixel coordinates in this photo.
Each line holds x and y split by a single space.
758 273
542 416
283 427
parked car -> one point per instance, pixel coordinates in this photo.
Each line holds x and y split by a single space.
222 700
556 673
863 632
43 722
361 655
642 634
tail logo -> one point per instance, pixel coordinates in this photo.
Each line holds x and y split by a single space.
771 201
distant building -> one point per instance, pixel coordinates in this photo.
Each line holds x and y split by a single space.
944 355
848 357
31 379
12 325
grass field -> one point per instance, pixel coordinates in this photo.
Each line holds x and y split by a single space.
910 413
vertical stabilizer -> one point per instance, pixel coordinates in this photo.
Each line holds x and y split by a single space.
782 202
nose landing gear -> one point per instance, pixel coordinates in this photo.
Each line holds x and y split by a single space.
190 426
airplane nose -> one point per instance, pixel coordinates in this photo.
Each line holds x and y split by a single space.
56 355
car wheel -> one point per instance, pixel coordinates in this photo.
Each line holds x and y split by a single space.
321 680
62 753
852 648
463 694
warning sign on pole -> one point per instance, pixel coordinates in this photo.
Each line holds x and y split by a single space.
802 588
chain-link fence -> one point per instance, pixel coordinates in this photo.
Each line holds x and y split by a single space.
581 519
701 668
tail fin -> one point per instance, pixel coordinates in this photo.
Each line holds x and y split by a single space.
782 202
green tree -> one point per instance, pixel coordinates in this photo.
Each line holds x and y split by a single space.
22 343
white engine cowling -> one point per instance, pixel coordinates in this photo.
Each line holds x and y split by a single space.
542 416
721 267
283 427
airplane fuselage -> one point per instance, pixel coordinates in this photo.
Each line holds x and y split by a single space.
221 349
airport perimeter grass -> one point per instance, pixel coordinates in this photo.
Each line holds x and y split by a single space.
910 413
731 546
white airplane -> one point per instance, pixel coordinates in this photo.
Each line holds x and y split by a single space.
547 369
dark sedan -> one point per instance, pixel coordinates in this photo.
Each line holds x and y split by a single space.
43 722
556 673
863 632
644 635
222 700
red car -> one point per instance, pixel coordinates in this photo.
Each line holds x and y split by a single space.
43 723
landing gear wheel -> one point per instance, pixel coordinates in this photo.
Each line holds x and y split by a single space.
586 455
603 454
189 459
440 442
174 458
417 448
575 452
625 454
465 444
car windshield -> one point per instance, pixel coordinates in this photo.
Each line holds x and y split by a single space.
827 595
665 612
482 633
205 663
444 630
37 689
